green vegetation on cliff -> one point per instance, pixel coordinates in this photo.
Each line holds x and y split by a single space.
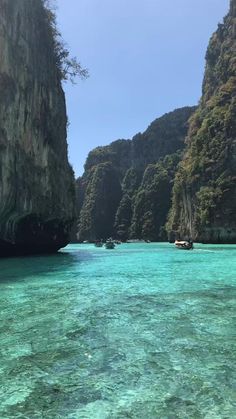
204 198
68 67
37 193
102 197
188 171
126 188
153 198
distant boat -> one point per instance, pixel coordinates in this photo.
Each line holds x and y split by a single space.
184 244
110 244
98 243
135 241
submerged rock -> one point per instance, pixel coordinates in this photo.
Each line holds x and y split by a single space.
36 180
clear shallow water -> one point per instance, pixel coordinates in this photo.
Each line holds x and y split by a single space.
142 331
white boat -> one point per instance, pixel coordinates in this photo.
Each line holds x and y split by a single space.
135 241
184 244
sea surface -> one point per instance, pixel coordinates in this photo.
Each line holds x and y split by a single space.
142 331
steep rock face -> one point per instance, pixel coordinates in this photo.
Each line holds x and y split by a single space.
204 199
125 210
36 181
152 200
131 181
100 204
164 136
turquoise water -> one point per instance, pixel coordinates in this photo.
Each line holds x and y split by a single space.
142 331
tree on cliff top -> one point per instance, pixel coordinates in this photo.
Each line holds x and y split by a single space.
69 68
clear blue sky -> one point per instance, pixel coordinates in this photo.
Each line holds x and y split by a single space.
145 58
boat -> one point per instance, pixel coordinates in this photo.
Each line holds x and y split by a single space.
110 244
135 241
184 244
98 243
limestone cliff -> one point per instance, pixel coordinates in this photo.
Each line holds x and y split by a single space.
204 199
36 181
126 188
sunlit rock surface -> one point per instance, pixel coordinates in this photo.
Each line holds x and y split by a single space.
204 201
36 181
